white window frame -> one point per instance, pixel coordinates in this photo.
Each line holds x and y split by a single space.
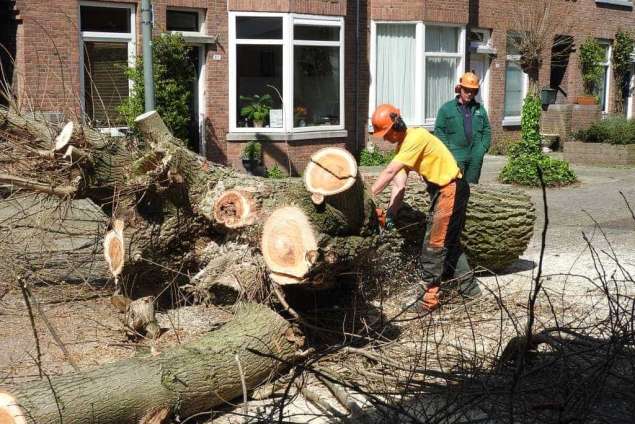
609 72
191 38
420 61
94 36
287 42
201 20
514 120
631 96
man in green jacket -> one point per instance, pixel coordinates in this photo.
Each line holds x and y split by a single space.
463 126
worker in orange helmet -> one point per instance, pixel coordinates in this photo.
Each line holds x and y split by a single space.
419 151
463 126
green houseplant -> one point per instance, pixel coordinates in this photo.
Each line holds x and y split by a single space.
251 156
257 108
591 58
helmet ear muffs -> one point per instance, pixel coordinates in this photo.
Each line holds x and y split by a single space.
398 124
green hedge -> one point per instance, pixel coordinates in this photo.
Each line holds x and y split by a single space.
375 157
614 130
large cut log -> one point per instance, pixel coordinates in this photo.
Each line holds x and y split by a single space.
52 241
184 381
499 224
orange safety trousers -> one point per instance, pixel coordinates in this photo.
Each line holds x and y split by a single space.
442 242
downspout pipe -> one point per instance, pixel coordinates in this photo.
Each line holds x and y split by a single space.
357 76
146 32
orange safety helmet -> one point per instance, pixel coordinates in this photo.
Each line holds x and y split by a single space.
383 119
469 80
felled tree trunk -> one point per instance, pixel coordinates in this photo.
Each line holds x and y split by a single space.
183 381
499 224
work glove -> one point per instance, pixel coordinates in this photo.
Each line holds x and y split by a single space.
431 299
386 220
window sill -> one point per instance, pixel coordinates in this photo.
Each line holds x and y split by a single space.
511 121
623 3
286 136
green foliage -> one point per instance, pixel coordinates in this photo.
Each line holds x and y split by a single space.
173 78
613 130
375 157
275 172
591 59
623 47
526 156
252 151
501 146
257 108
523 170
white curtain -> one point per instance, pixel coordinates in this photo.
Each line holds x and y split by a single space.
440 81
395 76
442 39
513 89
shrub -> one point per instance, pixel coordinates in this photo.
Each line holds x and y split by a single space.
526 156
173 78
501 147
275 172
252 151
591 58
375 157
613 130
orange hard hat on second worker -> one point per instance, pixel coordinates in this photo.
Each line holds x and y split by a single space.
383 119
469 80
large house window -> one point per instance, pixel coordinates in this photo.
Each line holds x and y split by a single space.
107 50
295 63
516 83
603 89
415 66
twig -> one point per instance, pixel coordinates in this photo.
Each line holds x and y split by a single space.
244 385
25 295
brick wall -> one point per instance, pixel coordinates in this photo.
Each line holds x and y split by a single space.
48 53
290 156
583 116
599 154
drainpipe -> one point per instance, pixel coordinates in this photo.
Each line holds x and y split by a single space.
146 30
356 77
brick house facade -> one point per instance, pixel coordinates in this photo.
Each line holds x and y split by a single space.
49 45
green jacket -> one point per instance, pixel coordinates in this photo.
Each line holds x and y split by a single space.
449 128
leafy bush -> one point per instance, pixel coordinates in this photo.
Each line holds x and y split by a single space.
613 130
275 172
501 147
252 151
591 59
173 78
375 157
526 156
621 60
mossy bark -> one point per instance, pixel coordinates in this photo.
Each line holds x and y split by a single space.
499 224
186 380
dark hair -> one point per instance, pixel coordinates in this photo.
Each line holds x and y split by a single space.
398 123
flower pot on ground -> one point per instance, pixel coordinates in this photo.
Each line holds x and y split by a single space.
251 157
586 100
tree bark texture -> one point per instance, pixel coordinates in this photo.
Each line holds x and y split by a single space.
186 380
499 224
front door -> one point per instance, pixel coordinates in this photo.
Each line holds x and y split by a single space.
479 64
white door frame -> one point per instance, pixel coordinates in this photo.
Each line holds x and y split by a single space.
484 91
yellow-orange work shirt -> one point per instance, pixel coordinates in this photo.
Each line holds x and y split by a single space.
425 154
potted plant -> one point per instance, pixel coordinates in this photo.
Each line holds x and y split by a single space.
591 58
251 156
257 108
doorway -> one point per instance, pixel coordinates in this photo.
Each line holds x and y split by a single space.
196 131
479 64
